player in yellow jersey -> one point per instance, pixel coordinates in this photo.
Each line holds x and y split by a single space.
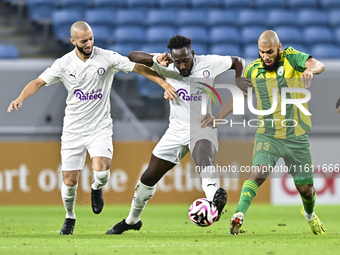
280 135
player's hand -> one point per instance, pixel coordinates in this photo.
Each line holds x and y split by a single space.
164 59
306 78
16 104
244 84
208 121
170 92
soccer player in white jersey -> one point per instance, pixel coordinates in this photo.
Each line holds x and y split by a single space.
87 73
188 74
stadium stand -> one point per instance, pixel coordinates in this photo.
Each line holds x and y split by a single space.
145 4
157 17
251 18
289 34
204 4
129 34
122 48
102 36
108 4
317 34
282 18
176 4
250 35
100 17
77 5
251 51
312 17
198 34
234 4
329 4
218 17
154 48
159 34
224 34
191 18
130 17
62 21
225 49
269 4
301 4
8 52
334 18
325 51
41 11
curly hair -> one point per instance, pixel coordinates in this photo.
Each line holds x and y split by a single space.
178 42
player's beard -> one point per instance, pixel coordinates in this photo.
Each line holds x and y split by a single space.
273 66
81 50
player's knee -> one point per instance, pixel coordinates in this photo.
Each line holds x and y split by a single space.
101 176
70 182
306 191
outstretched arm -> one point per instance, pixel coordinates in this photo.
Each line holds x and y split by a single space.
28 91
169 91
239 65
313 66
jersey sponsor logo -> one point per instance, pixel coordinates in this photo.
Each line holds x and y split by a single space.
206 74
101 71
183 93
209 93
93 95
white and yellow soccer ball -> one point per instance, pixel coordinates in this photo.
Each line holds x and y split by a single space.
202 212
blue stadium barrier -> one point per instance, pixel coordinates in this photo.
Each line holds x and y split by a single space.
8 51
101 17
224 34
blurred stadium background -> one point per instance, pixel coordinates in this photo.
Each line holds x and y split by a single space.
35 32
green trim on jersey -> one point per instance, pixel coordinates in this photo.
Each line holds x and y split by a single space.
288 74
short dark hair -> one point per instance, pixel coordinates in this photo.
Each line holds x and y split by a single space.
178 42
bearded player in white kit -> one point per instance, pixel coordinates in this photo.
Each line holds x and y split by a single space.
87 73
189 115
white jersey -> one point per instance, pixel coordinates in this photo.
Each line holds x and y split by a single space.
89 86
193 99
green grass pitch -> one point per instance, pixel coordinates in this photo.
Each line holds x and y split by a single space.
166 230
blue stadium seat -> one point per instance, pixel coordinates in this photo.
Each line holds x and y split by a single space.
336 33
251 51
282 18
147 88
251 18
298 47
325 51
101 35
191 18
77 5
317 35
159 34
289 34
195 33
224 34
242 4
41 10
269 4
100 17
218 17
225 49
200 49
303 4
130 17
204 4
108 4
122 48
154 48
62 21
176 4
334 18
311 18
129 34
329 4
8 51
250 35
156 17
145 4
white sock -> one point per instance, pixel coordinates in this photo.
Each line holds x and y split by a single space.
142 195
308 216
209 186
68 195
100 179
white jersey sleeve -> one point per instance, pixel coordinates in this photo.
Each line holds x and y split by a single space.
122 63
220 63
51 74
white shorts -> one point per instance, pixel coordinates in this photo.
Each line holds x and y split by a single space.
174 145
74 146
